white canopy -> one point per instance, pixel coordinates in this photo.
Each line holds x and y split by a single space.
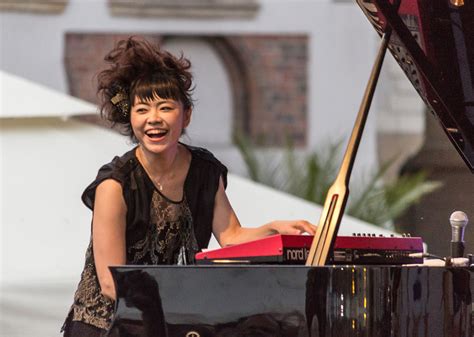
21 98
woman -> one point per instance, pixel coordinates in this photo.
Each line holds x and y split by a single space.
160 202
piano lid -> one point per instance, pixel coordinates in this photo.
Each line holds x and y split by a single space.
433 42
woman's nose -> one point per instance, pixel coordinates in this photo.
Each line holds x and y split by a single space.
155 116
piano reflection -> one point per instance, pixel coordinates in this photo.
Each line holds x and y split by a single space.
433 41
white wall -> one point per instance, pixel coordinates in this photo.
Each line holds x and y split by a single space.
341 52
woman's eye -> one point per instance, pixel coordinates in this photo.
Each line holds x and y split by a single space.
141 110
166 108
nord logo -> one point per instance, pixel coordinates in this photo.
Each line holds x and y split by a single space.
297 254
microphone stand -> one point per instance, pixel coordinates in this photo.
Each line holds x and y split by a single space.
457 248
338 193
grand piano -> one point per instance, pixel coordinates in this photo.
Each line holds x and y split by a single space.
433 41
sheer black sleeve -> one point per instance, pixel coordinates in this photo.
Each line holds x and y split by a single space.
118 170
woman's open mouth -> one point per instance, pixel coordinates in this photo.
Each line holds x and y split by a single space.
156 134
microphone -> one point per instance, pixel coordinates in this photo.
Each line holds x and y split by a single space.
458 222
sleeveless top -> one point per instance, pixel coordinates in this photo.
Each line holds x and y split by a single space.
158 230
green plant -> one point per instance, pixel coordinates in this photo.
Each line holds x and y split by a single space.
310 176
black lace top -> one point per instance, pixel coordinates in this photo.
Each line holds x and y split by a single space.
159 230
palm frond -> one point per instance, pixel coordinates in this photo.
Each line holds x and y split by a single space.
313 174
406 191
362 197
248 154
329 161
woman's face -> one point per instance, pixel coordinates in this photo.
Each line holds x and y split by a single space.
158 123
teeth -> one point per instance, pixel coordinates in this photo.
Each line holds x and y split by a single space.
156 132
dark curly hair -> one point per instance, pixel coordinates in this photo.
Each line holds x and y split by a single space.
139 69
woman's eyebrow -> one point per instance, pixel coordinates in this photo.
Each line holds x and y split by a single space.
167 101
147 103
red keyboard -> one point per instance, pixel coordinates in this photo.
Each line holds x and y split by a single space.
294 249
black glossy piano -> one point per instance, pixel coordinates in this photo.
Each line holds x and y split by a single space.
433 41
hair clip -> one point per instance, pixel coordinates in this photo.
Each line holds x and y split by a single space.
120 96
121 100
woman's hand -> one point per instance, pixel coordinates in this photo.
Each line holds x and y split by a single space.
294 227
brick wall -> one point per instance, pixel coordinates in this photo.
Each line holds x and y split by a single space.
84 59
268 75
277 67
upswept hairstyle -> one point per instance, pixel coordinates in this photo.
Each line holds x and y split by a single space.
140 69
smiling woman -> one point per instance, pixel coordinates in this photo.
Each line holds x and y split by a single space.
160 202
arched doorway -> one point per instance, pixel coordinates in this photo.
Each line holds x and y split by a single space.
212 119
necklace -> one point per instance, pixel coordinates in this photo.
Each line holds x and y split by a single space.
160 187
166 176
160 181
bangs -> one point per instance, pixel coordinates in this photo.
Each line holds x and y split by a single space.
165 87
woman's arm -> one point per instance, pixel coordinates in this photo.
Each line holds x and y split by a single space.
227 229
108 232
